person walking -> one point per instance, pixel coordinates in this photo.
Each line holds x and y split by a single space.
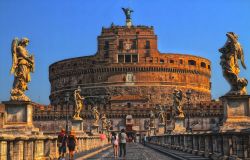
122 143
115 143
71 144
61 143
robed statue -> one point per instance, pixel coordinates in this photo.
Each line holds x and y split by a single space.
231 53
22 65
177 104
104 121
161 115
96 115
78 103
152 118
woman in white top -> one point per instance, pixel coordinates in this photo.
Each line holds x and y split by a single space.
115 144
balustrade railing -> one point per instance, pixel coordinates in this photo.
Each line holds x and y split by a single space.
214 145
40 146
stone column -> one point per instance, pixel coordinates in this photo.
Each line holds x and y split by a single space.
240 145
208 146
53 148
201 145
226 147
3 150
39 149
18 149
28 149
195 144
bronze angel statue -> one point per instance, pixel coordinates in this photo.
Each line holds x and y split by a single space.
231 53
22 65
79 104
127 12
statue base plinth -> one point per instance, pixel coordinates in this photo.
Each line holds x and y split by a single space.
18 118
179 125
152 131
128 23
161 129
77 125
236 113
94 129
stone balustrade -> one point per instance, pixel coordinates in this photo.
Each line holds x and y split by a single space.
233 145
38 147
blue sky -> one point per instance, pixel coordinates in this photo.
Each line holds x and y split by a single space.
62 29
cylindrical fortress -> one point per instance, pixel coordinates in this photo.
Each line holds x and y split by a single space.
129 68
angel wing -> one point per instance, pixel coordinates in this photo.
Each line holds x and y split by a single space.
14 55
241 57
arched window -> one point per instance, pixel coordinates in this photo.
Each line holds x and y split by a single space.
192 62
203 64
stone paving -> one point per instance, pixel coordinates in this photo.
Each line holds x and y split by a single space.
135 151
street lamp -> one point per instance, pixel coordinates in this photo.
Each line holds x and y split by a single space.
188 95
66 100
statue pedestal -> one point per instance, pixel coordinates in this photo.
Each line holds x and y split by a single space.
18 118
161 129
77 125
104 131
128 23
152 131
179 125
95 129
236 113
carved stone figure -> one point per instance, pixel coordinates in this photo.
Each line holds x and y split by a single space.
22 65
152 118
127 12
95 114
146 124
104 121
161 115
231 53
177 105
79 104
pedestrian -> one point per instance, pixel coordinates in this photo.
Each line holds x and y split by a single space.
71 144
115 143
122 143
102 138
61 142
144 140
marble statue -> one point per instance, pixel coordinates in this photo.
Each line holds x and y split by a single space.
79 104
177 105
104 121
96 115
22 65
152 118
161 115
231 53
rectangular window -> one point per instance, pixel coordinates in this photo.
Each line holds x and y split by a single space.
147 45
106 54
121 58
128 58
120 47
134 58
134 45
106 45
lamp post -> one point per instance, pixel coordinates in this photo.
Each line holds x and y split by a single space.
66 100
188 95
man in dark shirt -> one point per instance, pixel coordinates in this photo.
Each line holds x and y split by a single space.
61 142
